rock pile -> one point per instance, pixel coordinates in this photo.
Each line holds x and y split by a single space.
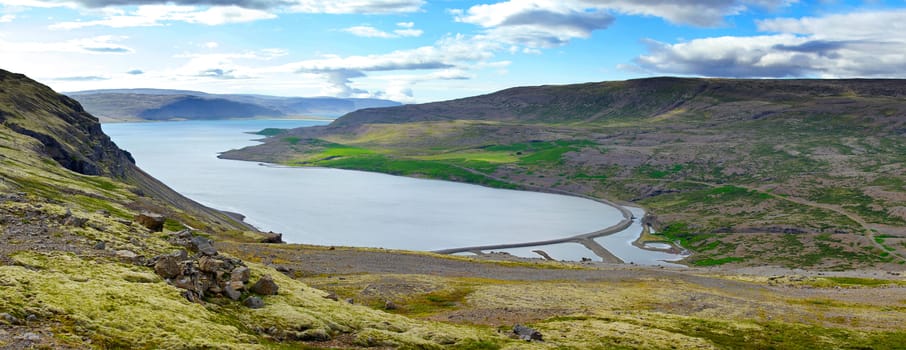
207 273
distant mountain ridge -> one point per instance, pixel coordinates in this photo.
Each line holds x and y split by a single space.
604 102
161 104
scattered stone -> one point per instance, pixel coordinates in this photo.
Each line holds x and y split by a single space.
231 292
100 245
31 318
265 286
10 319
167 266
240 274
152 221
332 296
527 333
350 300
253 302
389 305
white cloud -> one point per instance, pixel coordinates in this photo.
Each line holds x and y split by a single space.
864 44
356 6
157 15
447 58
366 31
226 65
305 6
408 32
105 44
535 24
702 13
7 18
859 25
38 3
211 44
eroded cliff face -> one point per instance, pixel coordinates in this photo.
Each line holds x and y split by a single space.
68 134
57 127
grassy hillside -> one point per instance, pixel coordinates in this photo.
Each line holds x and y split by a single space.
796 173
78 270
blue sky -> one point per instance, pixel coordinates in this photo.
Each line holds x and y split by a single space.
421 51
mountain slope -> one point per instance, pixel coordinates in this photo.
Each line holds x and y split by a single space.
78 267
155 104
790 172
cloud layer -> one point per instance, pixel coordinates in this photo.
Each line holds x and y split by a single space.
864 44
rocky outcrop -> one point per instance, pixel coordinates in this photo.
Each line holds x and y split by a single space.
73 138
206 273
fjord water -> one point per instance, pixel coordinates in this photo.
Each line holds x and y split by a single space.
342 207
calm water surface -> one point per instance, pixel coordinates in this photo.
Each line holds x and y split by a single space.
341 207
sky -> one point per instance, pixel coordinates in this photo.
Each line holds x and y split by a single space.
420 51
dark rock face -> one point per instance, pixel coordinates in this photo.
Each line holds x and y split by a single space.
79 145
152 221
265 286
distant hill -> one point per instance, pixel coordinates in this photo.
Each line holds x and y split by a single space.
159 104
743 171
605 102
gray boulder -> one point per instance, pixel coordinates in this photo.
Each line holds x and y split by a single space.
152 221
240 274
203 245
167 266
527 333
265 286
